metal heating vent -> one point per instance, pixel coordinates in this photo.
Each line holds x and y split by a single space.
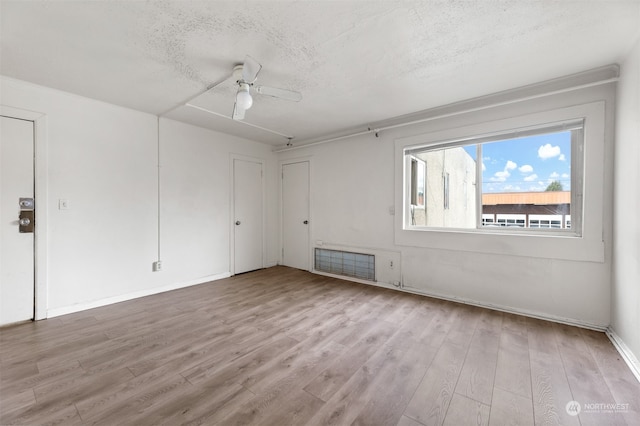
357 265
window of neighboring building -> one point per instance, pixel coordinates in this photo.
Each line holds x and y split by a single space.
523 180
445 190
418 189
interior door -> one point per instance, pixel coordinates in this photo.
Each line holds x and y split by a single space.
16 248
295 215
248 232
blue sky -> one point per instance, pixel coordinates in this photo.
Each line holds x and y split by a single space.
526 164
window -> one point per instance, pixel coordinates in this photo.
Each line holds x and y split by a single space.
418 176
418 168
522 180
445 190
470 224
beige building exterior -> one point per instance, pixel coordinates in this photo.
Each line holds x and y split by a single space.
449 190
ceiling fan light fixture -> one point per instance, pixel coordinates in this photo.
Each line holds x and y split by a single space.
243 97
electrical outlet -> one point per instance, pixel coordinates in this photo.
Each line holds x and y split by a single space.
391 264
157 266
63 204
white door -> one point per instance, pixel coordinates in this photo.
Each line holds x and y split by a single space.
247 197
295 215
16 249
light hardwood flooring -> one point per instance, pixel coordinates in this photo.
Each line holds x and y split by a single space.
285 347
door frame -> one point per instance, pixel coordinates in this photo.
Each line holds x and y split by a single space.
281 164
40 168
232 228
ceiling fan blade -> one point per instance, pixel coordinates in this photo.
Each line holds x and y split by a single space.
289 95
250 69
238 113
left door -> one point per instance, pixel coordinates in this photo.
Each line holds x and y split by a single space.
16 248
248 215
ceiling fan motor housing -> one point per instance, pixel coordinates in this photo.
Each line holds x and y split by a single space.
237 73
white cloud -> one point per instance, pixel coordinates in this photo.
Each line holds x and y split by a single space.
565 176
500 176
484 168
491 186
562 157
511 188
531 178
548 151
503 175
525 169
554 175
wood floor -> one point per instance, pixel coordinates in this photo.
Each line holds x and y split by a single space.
285 347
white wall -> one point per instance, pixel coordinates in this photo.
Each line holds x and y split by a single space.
358 174
625 318
103 159
195 194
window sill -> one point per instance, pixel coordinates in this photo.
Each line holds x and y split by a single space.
548 246
500 230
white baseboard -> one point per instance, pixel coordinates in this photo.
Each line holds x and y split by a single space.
625 352
51 313
508 309
354 280
511 310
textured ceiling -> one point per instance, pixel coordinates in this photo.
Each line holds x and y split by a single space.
355 62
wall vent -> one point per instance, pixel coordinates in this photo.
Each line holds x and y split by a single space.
357 265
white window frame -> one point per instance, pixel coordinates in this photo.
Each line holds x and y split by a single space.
577 169
586 246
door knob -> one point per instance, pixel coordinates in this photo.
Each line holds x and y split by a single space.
306 222
27 221
237 222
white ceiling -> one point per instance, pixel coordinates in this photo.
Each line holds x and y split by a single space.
355 62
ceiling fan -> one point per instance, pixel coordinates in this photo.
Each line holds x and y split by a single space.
246 75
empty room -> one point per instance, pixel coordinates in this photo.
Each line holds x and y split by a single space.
288 212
